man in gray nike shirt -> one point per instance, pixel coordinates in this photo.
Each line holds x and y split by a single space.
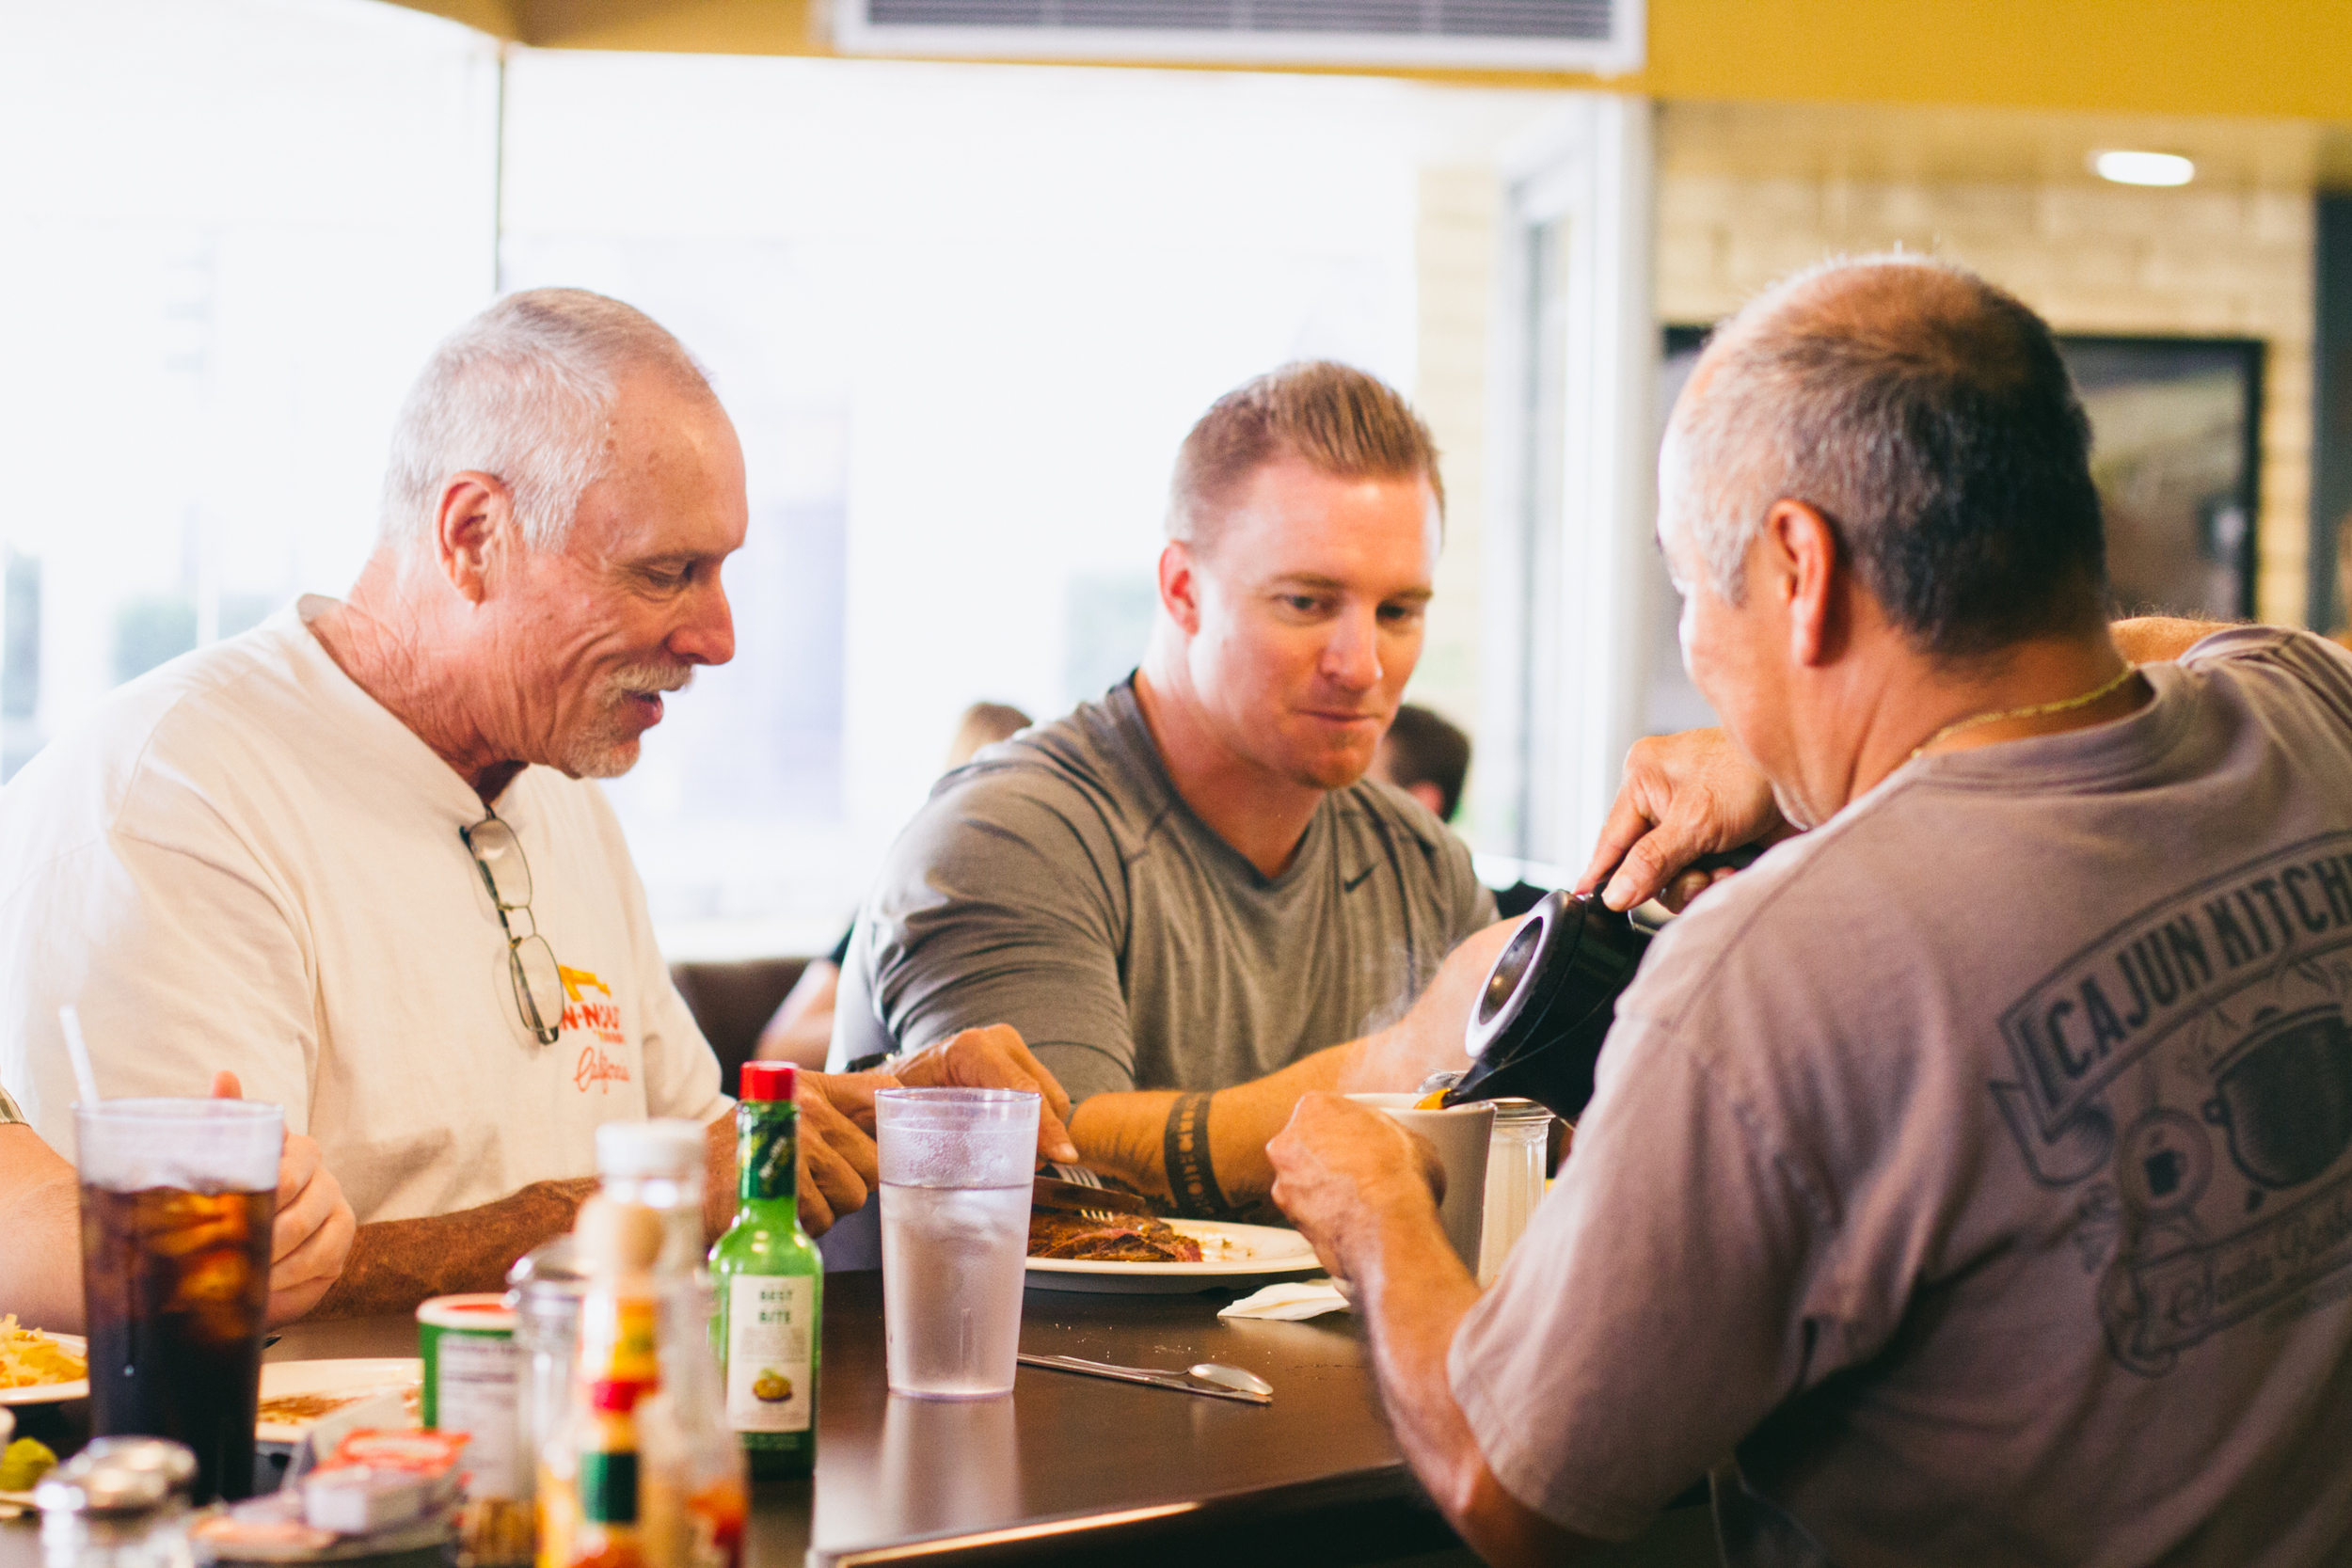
1185 895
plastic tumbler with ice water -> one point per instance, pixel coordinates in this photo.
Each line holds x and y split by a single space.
956 1171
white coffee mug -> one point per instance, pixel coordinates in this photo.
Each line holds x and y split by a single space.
1461 1134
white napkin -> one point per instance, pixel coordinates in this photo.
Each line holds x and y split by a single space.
1290 1301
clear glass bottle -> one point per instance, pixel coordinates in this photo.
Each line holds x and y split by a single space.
591 1504
771 1282
1516 1156
659 1164
693 1457
545 1288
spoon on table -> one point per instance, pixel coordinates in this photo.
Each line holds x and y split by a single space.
1228 1383
1230 1377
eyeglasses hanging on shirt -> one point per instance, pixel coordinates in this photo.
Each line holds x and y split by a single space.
497 854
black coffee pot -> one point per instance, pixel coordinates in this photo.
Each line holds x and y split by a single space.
1552 993
1547 1005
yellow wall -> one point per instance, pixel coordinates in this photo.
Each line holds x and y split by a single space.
2288 58
2284 57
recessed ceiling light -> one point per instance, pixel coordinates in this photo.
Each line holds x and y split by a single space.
2143 169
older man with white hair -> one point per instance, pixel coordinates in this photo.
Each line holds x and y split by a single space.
1970 1180
350 856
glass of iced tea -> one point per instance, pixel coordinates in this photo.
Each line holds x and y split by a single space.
177 1200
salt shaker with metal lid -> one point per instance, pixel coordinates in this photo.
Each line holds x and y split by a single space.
119 1503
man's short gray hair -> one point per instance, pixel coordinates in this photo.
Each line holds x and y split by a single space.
523 392
1927 416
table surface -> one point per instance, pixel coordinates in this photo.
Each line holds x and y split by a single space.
1068 1467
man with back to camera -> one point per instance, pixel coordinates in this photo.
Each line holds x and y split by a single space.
1186 897
1976 1166
350 856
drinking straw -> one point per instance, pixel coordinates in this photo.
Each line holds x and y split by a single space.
78 1048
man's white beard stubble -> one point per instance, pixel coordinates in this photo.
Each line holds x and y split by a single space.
607 748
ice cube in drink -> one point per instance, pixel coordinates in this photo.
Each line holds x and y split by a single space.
177 1284
952 1262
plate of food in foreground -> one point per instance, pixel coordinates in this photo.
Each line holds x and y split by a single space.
1135 1255
298 1394
39 1367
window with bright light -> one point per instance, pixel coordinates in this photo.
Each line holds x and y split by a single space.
961 316
230 233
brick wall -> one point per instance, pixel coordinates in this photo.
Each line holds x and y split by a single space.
1455 265
2091 258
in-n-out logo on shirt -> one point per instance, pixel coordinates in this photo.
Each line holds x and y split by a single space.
595 1069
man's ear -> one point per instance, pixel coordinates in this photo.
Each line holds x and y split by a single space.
473 529
1802 549
1180 587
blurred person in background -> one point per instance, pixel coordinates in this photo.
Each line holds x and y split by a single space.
354 854
1187 896
801 1029
1965 1181
1427 757
40 1268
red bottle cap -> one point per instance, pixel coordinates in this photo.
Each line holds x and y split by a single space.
608 1393
767 1080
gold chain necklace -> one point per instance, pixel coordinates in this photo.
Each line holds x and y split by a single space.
2035 711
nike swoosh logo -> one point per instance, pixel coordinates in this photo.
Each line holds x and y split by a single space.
1357 881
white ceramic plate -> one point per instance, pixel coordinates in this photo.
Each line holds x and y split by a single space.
334 1386
50 1393
1230 1255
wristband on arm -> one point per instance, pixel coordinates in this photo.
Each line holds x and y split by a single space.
1184 1150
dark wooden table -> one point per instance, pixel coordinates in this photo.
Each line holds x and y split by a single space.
1068 1469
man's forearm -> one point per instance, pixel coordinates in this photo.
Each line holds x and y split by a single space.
1413 1294
1126 1134
396 1264
41 1265
718 1176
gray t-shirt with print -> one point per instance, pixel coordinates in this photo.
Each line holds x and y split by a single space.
1059 884
1978 1167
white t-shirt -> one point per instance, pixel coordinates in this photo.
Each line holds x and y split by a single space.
245 862
1978 1167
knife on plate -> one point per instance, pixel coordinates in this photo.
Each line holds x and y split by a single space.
1051 1192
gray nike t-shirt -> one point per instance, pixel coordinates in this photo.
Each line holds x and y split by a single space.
1978 1167
1059 884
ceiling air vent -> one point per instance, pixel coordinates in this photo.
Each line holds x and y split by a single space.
1560 35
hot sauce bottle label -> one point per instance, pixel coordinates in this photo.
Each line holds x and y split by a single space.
608 1487
766 1151
771 1323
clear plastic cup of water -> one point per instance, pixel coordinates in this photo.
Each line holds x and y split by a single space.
956 1171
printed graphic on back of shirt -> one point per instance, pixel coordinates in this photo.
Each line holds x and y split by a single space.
2191 1073
589 1009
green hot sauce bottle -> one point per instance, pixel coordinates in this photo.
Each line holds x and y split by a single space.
770 1284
